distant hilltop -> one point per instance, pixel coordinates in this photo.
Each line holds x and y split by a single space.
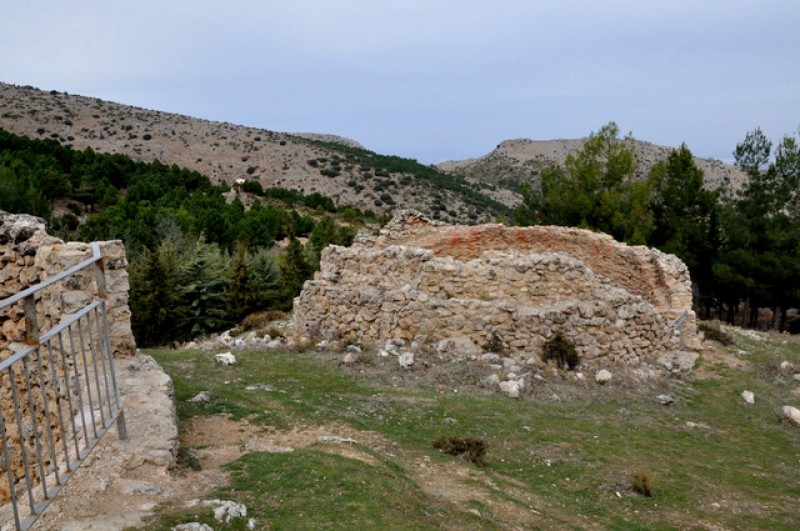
520 160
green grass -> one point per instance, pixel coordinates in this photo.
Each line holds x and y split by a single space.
566 460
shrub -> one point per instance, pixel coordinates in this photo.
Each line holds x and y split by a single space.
470 448
312 162
712 330
642 482
560 350
259 320
329 172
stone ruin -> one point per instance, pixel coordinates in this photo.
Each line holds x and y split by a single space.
504 288
28 255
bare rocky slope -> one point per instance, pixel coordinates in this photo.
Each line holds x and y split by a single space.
337 167
469 191
521 160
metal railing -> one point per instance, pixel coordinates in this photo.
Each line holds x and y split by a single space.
58 396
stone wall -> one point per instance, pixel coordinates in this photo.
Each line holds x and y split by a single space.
425 281
28 255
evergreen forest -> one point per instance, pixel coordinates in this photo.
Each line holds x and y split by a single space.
198 262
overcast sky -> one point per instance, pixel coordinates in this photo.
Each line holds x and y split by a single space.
433 79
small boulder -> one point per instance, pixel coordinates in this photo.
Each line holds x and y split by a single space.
512 388
274 344
406 360
786 366
229 510
193 526
491 380
225 359
749 397
792 413
665 400
202 396
458 345
603 376
796 377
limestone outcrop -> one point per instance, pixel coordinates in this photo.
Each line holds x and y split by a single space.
516 287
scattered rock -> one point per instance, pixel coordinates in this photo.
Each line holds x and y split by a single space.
476 512
665 400
225 359
406 360
749 397
192 526
512 388
259 387
229 510
274 344
349 358
459 346
678 361
796 377
450 420
698 425
491 380
335 439
202 396
792 413
141 488
787 366
353 348
603 376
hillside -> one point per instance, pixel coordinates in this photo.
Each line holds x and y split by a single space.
515 161
224 152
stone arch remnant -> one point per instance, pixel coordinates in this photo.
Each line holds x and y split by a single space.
423 280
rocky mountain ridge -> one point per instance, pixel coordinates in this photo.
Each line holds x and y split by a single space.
309 162
521 160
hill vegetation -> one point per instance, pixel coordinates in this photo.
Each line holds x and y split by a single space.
200 261
741 246
224 152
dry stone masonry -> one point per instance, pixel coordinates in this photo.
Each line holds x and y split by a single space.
507 287
28 255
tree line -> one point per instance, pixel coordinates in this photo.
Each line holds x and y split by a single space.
740 242
198 262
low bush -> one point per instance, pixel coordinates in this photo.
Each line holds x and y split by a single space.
470 448
642 482
713 330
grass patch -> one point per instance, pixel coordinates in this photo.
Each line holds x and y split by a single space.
565 460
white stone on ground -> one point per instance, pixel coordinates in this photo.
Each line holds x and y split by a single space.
225 359
406 360
792 413
512 388
228 510
603 376
749 397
